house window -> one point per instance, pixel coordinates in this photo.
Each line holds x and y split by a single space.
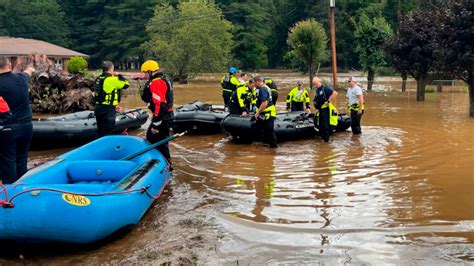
58 63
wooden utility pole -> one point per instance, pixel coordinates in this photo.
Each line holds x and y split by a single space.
332 4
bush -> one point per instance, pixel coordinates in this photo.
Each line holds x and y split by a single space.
77 65
429 89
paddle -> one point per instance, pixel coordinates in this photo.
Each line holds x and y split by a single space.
168 139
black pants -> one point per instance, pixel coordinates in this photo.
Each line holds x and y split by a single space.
226 95
355 122
323 124
15 142
163 133
105 116
297 106
233 109
266 129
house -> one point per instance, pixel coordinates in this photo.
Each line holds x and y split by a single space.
14 47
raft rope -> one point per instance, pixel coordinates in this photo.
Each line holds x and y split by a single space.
9 203
6 201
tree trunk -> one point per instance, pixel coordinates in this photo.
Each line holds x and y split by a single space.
420 87
311 77
370 79
440 86
470 80
404 82
183 79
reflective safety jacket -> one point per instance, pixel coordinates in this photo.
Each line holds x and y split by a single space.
270 110
270 83
242 98
333 116
107 89
229 83
161 100
273 87
322 95
298 96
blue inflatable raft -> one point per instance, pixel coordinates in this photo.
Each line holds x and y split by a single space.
84 195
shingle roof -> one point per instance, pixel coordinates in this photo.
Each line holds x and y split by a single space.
19 46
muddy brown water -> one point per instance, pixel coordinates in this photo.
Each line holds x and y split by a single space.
401 193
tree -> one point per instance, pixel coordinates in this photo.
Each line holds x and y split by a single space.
412 50
190 39
454 44
308 41
371 36
84 20
37 19
113 30
252 27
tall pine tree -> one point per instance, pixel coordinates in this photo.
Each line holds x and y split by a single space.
36 19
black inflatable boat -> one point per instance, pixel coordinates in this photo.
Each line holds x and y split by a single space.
79 127
288 126
199 118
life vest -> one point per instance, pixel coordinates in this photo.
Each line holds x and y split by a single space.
333 116
99 93
242 98
271 84
107 89
270 110
228 83
147 96
273 87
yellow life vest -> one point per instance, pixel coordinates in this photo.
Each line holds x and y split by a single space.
333 116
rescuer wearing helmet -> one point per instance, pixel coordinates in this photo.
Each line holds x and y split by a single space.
158 93
229 84
242 99
107 96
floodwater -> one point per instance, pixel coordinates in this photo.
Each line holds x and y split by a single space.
401 193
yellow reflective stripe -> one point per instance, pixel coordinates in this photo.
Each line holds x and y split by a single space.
355 106
270 110
333 117
293 96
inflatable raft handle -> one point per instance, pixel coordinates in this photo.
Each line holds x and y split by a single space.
151 147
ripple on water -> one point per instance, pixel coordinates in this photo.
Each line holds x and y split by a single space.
357 195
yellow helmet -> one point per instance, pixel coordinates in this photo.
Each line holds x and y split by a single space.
150 65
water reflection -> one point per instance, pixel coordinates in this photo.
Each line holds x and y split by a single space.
401 191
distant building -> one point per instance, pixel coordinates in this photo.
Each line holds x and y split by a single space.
15 47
